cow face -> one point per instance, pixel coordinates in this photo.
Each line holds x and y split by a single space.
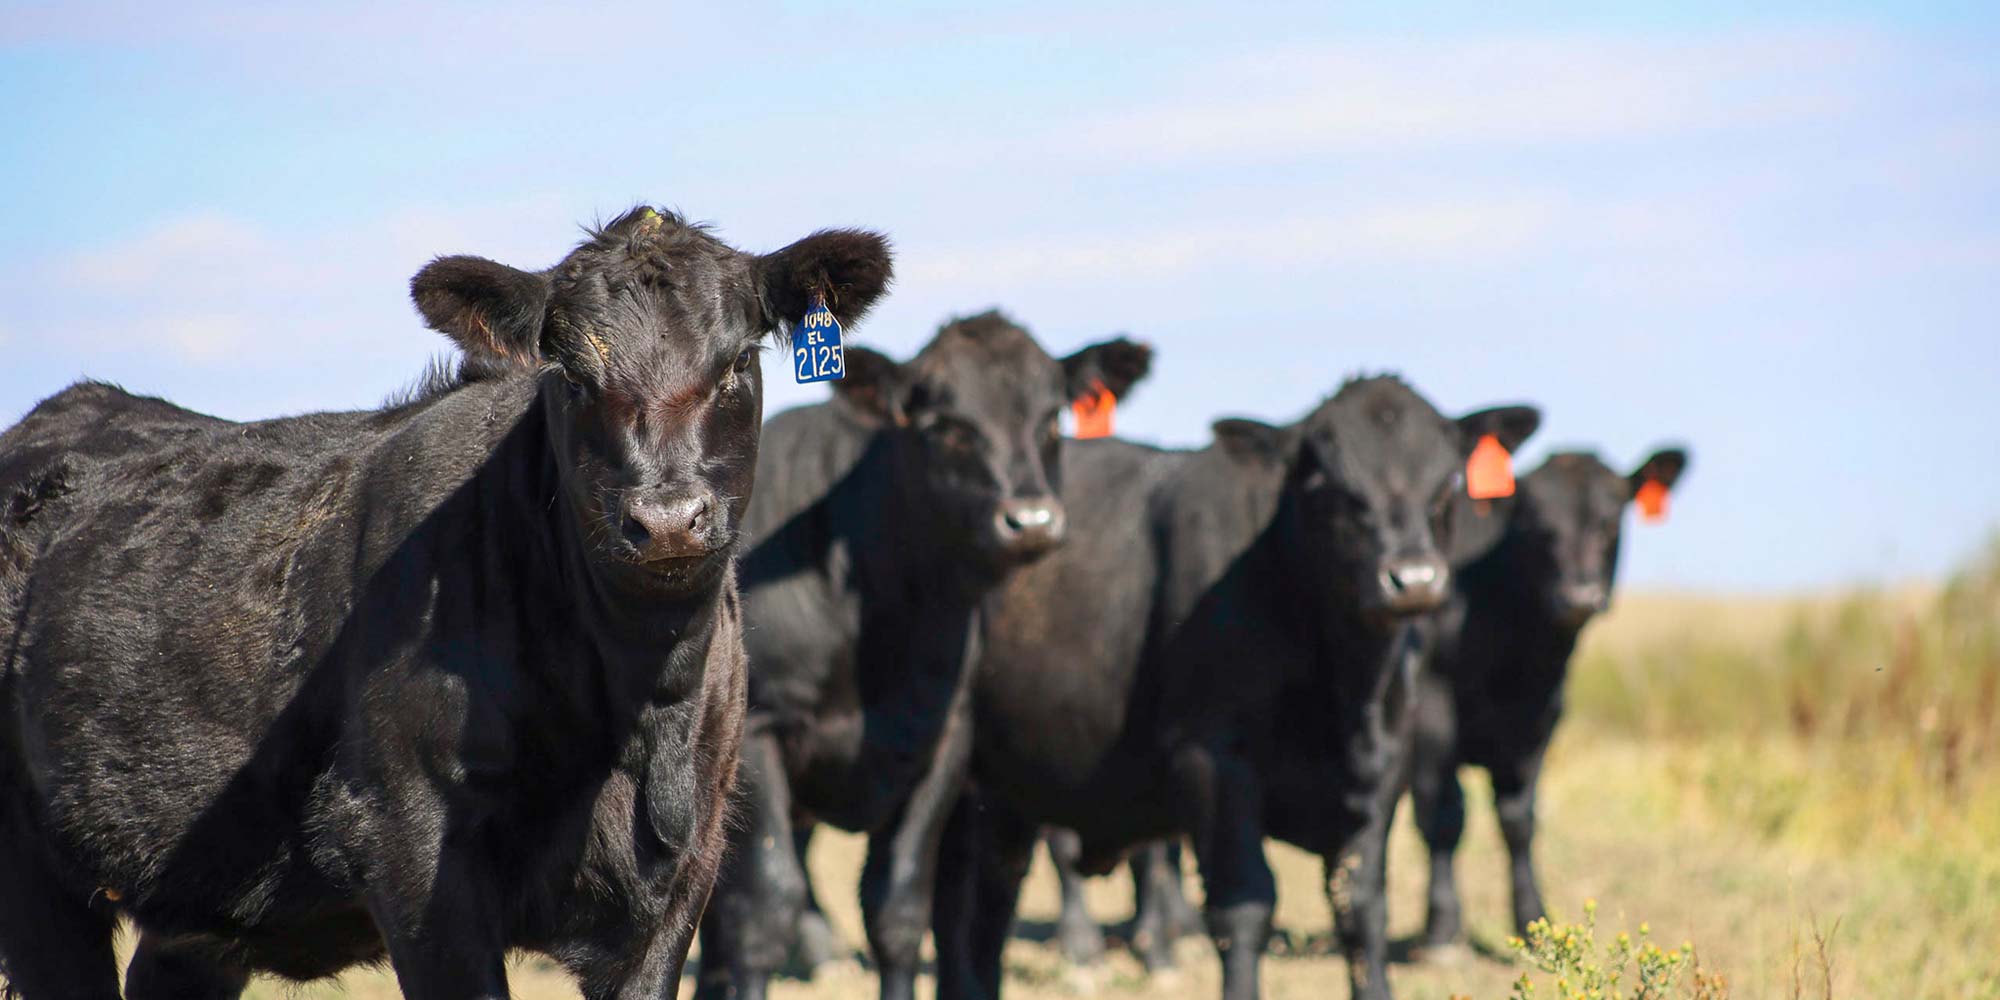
1566 526
975 419
647 338
1369 479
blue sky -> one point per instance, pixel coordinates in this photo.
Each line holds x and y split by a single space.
1774 236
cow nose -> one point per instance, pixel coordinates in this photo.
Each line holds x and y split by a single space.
1581 600
1028 524
667 527
1410 586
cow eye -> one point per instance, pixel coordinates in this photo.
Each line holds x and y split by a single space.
1442 502
743 361
955 435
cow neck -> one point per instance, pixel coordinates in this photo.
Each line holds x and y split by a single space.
1354 654
630 631
925 566
1507 588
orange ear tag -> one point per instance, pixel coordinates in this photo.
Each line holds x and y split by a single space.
1489 471
1652 500
1093 411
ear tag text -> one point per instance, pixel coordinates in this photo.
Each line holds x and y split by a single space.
1094 410
816 353
1652 501
1489 470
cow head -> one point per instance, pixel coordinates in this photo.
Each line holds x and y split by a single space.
1566 527
646 338
1369 481
974 418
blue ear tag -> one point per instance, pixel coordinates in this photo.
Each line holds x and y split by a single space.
816 346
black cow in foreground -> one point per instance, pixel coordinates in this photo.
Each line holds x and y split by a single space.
882 521
1493 693
1226 648
428 683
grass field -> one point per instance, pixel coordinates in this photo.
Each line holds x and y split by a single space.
1735 772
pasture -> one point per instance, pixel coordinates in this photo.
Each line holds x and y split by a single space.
1734 772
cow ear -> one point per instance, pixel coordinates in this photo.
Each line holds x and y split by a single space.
848 268
874 386
1664 467
1512 425
492 311
1253 439
1117 365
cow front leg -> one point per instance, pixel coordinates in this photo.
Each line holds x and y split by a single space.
983 857
762 887
900 874
1225 819
1162 915
1356 876
1514 801
433 902
1439 802
1077 932
818 943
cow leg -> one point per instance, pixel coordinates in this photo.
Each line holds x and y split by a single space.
159 970
1356 877
817 943
1440 808
1183 920
762 889
900 874
53 945
1163 915
1514 801
1081 939
1225 820
434 904
982 859
1438 801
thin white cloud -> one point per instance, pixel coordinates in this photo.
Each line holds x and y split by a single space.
1374 95
212 289
1415 232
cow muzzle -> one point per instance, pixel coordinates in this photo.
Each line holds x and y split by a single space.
1028 526
665 532
1413 586
1576 603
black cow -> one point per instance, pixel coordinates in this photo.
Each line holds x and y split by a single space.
425 683
882 521
1493 693
1225 649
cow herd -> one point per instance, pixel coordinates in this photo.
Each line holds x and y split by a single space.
566 650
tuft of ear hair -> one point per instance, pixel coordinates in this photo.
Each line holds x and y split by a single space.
849 268
1116 364
491 311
